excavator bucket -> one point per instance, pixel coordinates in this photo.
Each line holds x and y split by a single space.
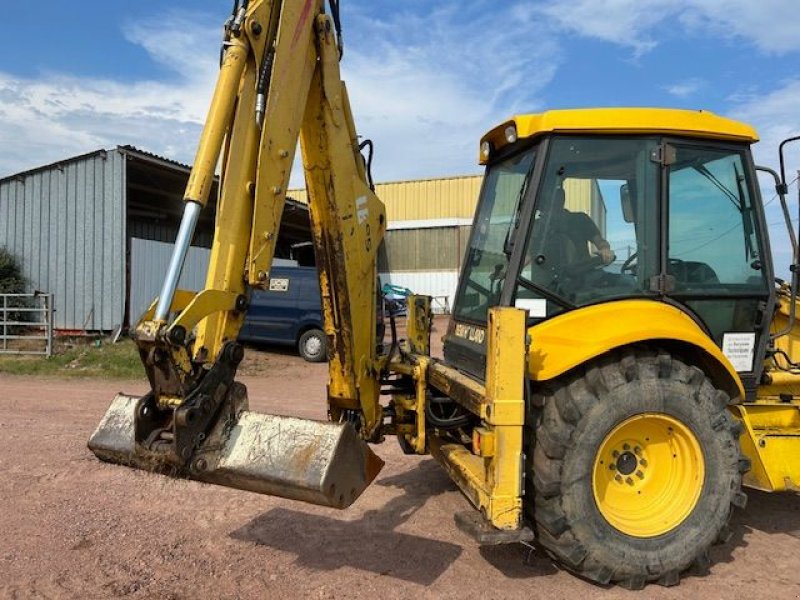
301 459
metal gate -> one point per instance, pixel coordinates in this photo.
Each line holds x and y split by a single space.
26 324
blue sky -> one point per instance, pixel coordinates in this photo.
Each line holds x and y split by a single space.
426 78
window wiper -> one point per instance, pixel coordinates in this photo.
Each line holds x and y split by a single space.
736 201
511 234
747 223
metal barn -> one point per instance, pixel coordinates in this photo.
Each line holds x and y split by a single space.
93 231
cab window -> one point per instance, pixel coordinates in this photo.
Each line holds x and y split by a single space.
593 235
487 257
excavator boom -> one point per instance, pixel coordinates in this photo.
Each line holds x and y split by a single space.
279 82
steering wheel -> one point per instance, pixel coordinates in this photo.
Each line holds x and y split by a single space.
628 264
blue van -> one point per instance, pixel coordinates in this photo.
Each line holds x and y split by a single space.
289 313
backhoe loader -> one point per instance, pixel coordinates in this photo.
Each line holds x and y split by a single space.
620 358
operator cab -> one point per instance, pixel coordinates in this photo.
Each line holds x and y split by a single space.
591 206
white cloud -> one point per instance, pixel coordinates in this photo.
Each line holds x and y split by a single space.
623 22
425 87
770 25
767 24
776 116
55 116
685 88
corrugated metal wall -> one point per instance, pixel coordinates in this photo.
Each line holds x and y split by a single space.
66 223
149 229
456 197
446 198
149 262
426 249
583 195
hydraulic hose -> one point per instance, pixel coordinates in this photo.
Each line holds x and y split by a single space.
451 423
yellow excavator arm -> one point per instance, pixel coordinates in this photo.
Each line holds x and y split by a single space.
591 410
279 82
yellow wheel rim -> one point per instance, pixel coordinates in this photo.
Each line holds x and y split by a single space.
648 475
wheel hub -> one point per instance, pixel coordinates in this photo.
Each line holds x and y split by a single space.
648 475
313 346
627 463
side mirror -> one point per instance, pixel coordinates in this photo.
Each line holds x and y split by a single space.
627 204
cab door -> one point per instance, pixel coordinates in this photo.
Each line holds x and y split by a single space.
714 248
485 274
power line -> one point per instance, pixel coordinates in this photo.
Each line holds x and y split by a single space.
768 202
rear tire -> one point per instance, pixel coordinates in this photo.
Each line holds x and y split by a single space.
313 346
639 524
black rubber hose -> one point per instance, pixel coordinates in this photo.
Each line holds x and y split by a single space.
453 423
337 23
265 75
371 147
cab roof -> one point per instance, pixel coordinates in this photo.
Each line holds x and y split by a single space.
609 121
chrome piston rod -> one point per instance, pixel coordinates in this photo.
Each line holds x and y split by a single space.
191 214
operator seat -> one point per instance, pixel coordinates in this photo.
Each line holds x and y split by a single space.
691 273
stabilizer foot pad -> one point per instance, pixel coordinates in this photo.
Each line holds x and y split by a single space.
482 531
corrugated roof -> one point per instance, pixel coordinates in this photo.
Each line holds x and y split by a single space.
152 157
124 149
54 165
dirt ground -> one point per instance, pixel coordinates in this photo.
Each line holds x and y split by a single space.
72 527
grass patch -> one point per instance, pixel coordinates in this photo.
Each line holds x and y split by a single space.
84 359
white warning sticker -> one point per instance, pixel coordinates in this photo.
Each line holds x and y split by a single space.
278 285
739 348
536 307
361 209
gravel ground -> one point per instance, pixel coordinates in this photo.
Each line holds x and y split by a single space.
73 527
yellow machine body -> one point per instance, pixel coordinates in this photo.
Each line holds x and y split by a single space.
279 84
771 424
623 121
604 327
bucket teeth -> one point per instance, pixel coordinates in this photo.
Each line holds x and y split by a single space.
317 462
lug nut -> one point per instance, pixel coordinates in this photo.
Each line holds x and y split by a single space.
615 454
629 481
612 467
626 447
637 451
640 475
643 462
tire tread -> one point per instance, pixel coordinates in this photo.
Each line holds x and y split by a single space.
550 432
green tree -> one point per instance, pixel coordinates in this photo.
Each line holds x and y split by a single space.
11 278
